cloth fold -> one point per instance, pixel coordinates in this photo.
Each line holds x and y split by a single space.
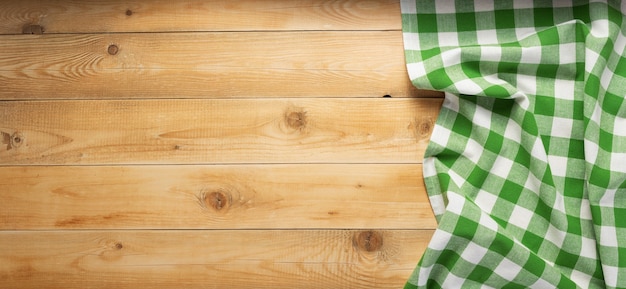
526 166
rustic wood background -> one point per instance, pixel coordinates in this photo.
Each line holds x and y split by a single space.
209 144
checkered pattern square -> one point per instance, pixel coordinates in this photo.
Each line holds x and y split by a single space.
526 167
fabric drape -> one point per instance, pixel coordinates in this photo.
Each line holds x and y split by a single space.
526 166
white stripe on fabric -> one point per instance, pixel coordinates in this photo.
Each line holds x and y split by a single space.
567 53
408 7
600 28
453 281
502 167
581 279
474 253
507 269
608 198
562 127
445 6
483 5
531 55
513 131
527 84
486 200
451 57
416 70
424 273
455 203
521 217
618 162
468 86
487 36
442 238
555 236
411 41
482 117
491 53
610 275
564 89
448 39
588 248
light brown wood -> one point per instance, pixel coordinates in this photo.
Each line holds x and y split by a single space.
210 259
205 65
382 130
214 197
209 144
75 16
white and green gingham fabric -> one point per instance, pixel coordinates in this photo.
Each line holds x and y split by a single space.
526 168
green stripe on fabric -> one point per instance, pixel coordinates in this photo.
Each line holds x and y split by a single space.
529 149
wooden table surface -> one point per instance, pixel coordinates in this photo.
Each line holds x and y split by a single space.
209 144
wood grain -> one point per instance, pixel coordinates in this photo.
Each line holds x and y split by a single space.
382 130
210 144
214 197
205 65
210 259
74 16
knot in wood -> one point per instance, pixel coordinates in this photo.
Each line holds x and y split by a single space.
368 241
425 127
129 12
112 250
113 49
296 119
422 128
32 29
17 139
217 200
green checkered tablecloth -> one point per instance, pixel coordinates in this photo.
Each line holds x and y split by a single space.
526 168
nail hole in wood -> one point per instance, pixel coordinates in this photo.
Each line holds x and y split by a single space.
113 49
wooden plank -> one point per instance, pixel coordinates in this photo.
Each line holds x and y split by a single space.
205 65
214 197
74 16
209 259
381 130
